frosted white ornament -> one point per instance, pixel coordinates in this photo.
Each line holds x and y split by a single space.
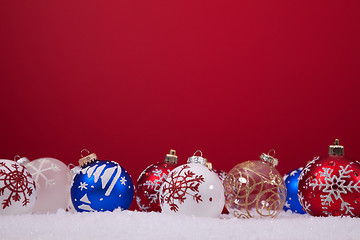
17 189
192 189
53 180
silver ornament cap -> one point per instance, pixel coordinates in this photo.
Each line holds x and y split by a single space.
266 157
197 159
21 160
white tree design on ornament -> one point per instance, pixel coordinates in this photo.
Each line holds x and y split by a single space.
39 172
333 186
304 203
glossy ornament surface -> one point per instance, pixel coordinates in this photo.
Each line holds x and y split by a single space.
17 188
53 180
292 203
192 189
101 186
74 170
149 183
255 189
330 185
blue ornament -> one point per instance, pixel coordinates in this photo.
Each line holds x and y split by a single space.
101 186
292 183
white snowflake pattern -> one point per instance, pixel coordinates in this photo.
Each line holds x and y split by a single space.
304 204
83 185
39 172
334 186
142 206
155 185
308 166
123 181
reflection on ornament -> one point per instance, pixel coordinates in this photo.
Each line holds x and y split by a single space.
53 181
255 189
17 188
192 189
101 186
150 180
330 185
292 183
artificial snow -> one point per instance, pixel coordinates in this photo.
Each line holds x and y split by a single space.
140 225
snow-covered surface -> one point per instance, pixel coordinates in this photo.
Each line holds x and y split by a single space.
138 225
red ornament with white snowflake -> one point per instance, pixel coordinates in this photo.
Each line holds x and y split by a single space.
17 188
149 183
330 185
192 189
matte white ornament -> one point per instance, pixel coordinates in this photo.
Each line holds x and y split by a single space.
192 189
53 180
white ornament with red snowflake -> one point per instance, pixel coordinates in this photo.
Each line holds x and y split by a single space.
17 188
192 189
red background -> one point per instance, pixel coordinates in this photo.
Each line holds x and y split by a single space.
129 80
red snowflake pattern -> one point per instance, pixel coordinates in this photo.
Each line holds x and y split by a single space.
17 182
177 185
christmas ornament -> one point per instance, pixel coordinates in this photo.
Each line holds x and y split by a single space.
192 189
150 180
74 170
255 189
101 186
292 203
53 180
222 175
17 188
330 185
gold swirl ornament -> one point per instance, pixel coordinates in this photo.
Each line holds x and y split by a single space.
255 189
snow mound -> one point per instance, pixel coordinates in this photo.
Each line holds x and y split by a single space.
139 225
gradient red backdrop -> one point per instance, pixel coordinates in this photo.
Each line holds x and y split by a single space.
129 80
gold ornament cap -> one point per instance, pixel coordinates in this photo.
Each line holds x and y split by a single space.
83 161
171 157
336 149
197 159
266 157
208 165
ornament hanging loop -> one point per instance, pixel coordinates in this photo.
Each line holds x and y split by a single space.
269 158
84 150
201 154
87 159
271 151
197 159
